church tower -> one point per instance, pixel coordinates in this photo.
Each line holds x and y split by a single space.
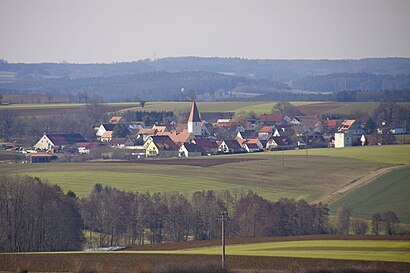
194 121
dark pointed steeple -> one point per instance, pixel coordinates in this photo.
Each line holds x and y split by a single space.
194 115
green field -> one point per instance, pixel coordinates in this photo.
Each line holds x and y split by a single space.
60 105
257 107
309 177
356 107
389 192
388 251
391 154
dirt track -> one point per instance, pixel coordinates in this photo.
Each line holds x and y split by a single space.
343 191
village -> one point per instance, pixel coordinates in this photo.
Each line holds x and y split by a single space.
205 134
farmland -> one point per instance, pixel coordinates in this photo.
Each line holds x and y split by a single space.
307 108
388 192
287 254
296 179
58 108
390 154
388 251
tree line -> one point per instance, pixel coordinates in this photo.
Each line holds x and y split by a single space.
36 216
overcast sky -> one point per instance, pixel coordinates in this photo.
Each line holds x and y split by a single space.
84 31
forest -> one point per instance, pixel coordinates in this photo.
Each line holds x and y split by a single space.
212 79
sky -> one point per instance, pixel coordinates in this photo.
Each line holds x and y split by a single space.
102 31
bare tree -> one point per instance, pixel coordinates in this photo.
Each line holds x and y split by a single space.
49 96
343 220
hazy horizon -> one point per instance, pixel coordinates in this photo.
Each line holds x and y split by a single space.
48 31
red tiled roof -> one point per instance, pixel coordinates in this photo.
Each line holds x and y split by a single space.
266 129
272 117
330 123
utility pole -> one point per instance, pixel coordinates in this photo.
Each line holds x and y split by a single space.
307 145
283 159
224 217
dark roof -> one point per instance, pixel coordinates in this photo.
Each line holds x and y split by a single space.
214 116
233 144
249 134
193 148
206 144
282 140
109 126
194 115
65 139
165 143
251 145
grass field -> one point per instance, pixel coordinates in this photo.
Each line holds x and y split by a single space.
257 107
61 105
391 154
309 177
354 107
389 192
387 251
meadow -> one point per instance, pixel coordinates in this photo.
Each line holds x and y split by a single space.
387 251
237 107
350 108
390 154
389 192
290 255
307 177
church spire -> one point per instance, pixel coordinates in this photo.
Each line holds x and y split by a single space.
194 115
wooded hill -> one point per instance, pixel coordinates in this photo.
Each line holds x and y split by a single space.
211 78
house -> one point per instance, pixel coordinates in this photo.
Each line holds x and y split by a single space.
351 127
212 117
209 146
266 131
230 147
104 128
343 140
273 119
246 134
106 136
55 142
309 123
178 137
87 147
330 126
39 158
116 119
160 128
348 133
282 142
121 142
190 150
145 133
161 146
251 145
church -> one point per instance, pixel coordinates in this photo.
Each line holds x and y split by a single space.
195 125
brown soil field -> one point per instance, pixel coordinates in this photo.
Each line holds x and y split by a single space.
199 162
316 108
120 262
236 241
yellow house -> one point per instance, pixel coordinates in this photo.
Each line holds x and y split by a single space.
151 150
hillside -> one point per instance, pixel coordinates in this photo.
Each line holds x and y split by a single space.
221 79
